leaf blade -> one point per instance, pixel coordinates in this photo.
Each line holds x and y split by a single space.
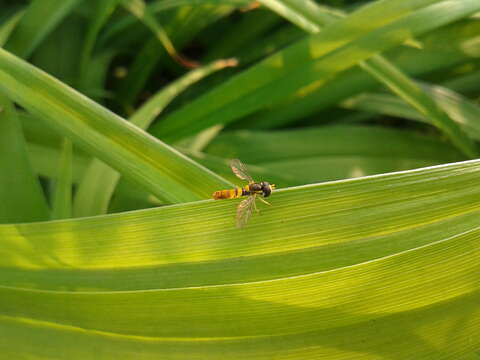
154 165
21 197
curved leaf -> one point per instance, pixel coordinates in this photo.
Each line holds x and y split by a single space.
39 20
152 164
97 186
311 63
321 265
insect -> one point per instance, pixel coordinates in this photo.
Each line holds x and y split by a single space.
246 207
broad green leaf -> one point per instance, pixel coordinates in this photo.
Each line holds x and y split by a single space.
152 164
97 187
62 201
39 20
308 276
313 62
380 267
335 220
404 336
21 197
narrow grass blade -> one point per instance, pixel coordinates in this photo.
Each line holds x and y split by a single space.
437 55
384 71
421 100
102 11
8 26
141 11
463 111
21 197
312 63
39 20
153 165
182 27
248 31
62 201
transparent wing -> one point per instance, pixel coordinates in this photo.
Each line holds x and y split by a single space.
245 210
240 170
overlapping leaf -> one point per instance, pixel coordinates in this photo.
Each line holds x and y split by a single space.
311 63
323 262
377 267
152 164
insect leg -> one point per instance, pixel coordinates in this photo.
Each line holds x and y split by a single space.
265 201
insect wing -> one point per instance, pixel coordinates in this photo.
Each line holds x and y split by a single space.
240 170
245 210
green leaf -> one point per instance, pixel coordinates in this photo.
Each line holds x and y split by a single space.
378 267
238 37
150 163
102 11
142 12
421 100
313 62
8 26
21 196
182 27
318 267
331 152
65 40
62 201
442 49
43 161
97 186
384 71
39 20
464 112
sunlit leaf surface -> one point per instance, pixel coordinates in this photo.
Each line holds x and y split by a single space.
371 246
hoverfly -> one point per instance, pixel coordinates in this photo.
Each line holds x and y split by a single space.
245 208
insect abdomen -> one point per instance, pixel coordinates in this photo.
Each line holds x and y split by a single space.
228 194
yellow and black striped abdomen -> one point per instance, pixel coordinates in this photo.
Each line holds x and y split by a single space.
228 194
